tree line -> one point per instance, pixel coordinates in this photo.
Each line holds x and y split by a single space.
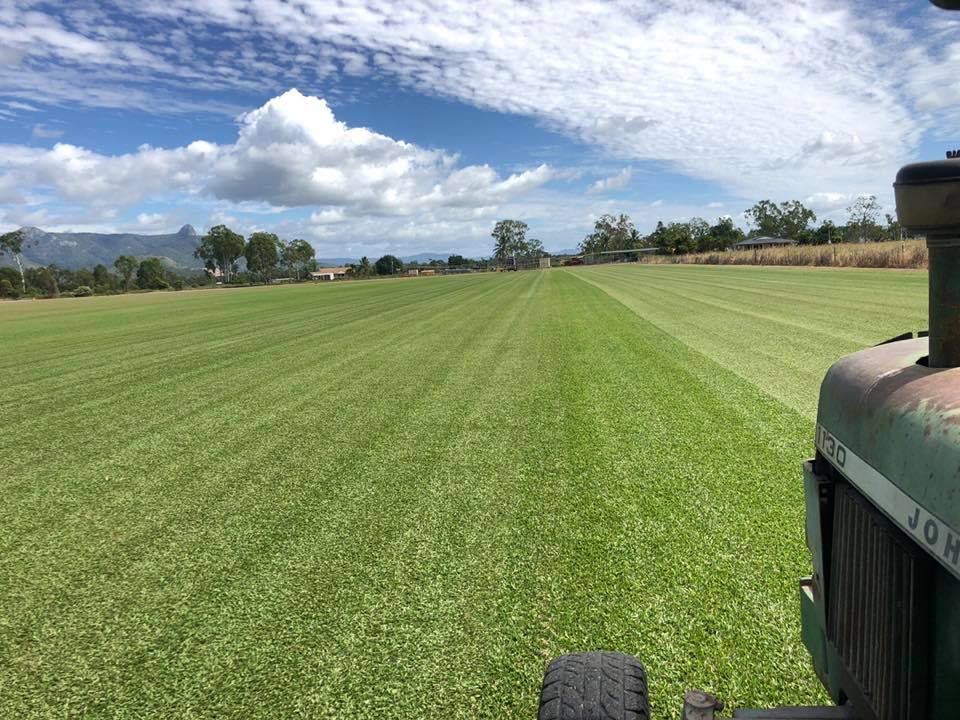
128 273
264 253
766 218
265 256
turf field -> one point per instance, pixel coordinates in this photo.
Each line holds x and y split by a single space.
398 499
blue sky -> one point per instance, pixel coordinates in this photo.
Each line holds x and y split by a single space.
367 128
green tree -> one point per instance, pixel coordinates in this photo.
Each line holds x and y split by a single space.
150 275
43 280
220 249
296 256
509 239
724 234
13 280
12 243
101 276
262 254
700 234
611 232
676 238
126 265
456 261
893 230
388 265
361 269
786 220
534 250
863 218
79 277
826 233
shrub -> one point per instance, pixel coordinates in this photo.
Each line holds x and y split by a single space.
82 291
6 289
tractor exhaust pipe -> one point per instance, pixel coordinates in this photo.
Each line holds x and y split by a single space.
944 253
928 203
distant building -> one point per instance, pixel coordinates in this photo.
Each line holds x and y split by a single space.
762 242
334 273
413 272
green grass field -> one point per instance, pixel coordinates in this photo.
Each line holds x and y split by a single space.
399 499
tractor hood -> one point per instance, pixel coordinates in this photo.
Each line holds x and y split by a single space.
891 426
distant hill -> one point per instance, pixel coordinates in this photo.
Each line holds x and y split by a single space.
336 262
76 250
426 257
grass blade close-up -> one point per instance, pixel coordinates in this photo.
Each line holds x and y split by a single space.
401 499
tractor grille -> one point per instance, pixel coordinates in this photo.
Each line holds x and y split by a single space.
877 609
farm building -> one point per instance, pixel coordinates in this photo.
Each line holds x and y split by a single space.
762 242
334 273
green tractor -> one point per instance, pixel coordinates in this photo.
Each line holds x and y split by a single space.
880 614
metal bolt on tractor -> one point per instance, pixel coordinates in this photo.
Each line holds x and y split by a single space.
880 614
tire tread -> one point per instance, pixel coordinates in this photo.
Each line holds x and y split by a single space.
594 686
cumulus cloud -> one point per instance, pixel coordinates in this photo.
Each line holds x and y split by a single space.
152 222
291 152
614 182
76 174
828 200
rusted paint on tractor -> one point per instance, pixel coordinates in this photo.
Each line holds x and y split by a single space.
902 417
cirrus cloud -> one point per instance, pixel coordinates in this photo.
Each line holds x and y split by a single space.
795 95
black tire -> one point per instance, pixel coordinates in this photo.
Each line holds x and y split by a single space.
594 686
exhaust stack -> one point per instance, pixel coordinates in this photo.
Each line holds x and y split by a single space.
928 203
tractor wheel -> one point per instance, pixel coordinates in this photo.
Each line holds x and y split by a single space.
594 686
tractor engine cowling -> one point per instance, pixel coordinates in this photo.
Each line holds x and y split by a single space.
881 613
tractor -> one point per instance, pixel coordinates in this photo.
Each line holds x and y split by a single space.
880 613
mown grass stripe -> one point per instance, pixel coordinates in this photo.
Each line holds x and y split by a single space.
477 474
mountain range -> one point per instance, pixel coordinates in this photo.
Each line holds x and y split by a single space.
78 249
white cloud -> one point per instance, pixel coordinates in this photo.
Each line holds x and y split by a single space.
42 131
293 152
10 56
774 99
152 222
17 105
732 92
828 201
715 205
614 182
290 152
75 174
656 203
354 63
